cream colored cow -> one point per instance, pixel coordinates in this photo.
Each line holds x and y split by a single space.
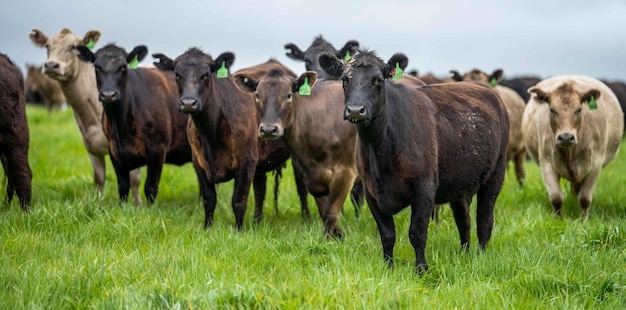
78 82
572 128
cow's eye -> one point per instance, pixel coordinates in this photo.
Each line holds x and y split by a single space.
553 111
205 76
97 68
121 69
377 81
578 111
345 82
178 77
289 96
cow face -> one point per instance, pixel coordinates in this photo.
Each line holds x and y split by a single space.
275 94
62 63
111 66
567 106
319 47
364 79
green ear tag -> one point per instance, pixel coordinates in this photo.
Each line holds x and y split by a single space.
397 74
90 44
593 105
222 72
305 89
133 63
347 57
493 82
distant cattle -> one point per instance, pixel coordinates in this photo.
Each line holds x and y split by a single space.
320 46
515 106
521 85
619 89
222 131
573 127
140 120
310 123
43 88
421 146
78 82
14 136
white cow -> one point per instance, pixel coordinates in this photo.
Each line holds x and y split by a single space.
572 128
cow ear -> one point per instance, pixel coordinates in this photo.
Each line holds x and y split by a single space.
351 46
296 53
91 36
456 76
140 51
163 62
398 60
413 73
38 38
332 65
539 95
310 77
227 58
245 83
85 54
496 77
593 93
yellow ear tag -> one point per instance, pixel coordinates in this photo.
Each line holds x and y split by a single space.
133 63
90 44
305 89
222 72
397 73
493 82
593 105
347 57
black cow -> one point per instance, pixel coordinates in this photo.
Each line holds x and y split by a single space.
318 47
140 118
619 89
222 131
423 145
14 135
521 85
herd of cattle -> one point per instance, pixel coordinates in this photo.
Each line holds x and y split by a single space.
352 124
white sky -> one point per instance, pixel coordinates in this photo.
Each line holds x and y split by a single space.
536 37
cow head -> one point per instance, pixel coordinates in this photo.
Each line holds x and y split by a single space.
364 78
566 106
317 48
194 72
274 95
62 63
111 65
479 76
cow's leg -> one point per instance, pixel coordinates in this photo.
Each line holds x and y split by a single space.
260 187
551 180
302 191
386 228
99 170
586 188
243 180
153 177
19 175
486 201
340 186
421 211
207 192
123 180
357 196
135 182
460 209
520 172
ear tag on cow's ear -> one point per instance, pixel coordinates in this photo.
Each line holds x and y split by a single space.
222 72
593 105
305 89
347 57
493 82
90 44
397 73
133 64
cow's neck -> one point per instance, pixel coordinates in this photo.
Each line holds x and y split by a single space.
81 93
120 115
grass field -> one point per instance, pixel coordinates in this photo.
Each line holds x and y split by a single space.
78 249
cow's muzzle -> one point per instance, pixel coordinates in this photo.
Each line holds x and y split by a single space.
188 105
565 139
355 113
108 96
270 131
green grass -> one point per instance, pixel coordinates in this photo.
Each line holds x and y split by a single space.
78 249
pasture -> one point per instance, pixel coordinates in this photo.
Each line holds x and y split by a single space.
79 249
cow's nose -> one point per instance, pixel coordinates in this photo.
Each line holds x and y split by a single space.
52 65
188 104
269 131
107 95
565 139
354 112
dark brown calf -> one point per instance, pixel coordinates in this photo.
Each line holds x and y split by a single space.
421 146
222 131
311 126
140 118
14 138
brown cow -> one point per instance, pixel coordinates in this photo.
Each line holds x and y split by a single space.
78 82
140 118
44 87
222 130
515 106
311 126
421 146
14 137
573 127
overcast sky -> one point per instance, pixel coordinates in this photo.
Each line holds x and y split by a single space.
538 37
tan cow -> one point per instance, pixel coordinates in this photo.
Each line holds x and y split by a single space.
570 139
78 82
44 87
515 108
